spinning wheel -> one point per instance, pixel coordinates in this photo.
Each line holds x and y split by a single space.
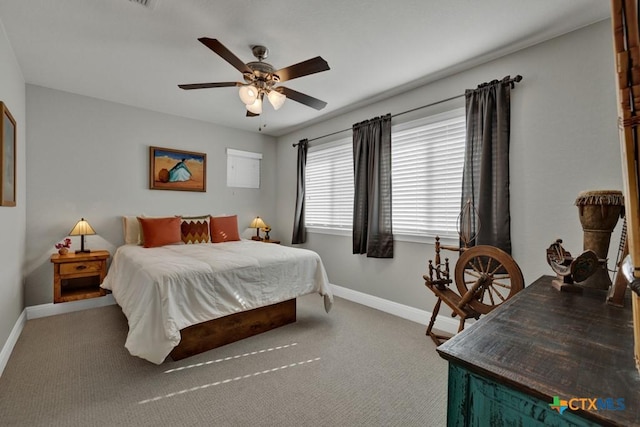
486 277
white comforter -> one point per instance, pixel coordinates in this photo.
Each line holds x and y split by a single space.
162 290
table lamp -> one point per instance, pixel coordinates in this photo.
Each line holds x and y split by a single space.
82 228
257 223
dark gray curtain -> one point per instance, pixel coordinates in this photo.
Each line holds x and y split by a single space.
299 231
485 179
372 232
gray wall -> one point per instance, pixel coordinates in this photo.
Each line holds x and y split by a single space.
89 158
564 140
12 219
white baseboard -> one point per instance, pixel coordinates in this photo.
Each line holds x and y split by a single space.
443 323
11 341
44 310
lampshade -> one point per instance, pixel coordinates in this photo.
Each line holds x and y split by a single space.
82 228
257 223
276 99
248 94
256 107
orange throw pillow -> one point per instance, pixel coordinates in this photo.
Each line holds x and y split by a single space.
224 229
160 231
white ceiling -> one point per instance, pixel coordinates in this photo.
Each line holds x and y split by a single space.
121 51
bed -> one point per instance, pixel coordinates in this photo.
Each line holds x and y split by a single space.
209 287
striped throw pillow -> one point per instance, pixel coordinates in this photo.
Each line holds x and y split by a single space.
195 229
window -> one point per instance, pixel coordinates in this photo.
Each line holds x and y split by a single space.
427 162
329 186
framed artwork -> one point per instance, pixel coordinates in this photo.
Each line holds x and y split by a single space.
7 157
180 170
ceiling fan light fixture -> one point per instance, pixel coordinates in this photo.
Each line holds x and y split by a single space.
276 99
261 77
248 94
256 107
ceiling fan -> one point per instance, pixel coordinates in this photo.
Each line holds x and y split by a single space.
261 78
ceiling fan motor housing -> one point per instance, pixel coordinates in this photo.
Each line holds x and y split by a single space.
262 76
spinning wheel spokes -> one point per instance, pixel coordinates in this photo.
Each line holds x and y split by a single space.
473 273
503 285
490 274
497 293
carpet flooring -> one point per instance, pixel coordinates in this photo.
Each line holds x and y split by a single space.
355 366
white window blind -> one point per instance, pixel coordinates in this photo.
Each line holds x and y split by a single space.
329 186
243 168
427 161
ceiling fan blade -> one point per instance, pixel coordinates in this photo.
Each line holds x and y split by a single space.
225 54
208 85
302 98
304 68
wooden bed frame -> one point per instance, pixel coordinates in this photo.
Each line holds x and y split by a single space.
234 327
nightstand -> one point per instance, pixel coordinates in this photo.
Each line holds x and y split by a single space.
78 276
277 242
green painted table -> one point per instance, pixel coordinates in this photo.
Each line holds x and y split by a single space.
507 368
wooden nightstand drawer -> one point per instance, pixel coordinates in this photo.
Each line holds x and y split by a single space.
86 267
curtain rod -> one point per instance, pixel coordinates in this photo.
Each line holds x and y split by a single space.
516 79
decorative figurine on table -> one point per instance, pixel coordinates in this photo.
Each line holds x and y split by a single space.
568 269
63 247
266 230
599 212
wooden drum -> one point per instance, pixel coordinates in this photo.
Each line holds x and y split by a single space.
599 212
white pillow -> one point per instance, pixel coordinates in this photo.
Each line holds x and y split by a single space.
132 233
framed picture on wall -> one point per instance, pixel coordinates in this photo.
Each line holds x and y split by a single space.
7 157
171 169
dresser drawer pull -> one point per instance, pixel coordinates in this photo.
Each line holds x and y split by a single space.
81 267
